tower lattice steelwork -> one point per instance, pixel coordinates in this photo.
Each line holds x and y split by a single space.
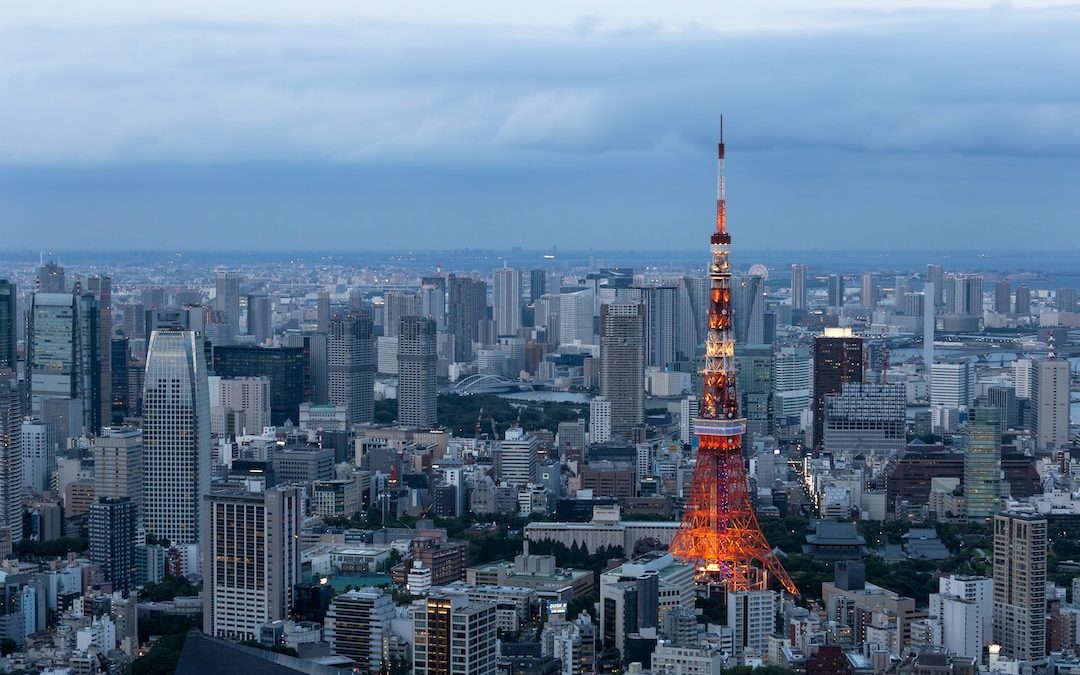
719 532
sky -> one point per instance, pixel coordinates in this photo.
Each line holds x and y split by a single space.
319 125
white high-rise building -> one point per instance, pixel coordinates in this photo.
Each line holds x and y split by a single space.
1022 374
798 286
176 435
688 410
751 615
599 420
506 301
251 559
952 384
964 606
433 305
118 465
576 318
517 457
356 624
1050 403
38 455
792 373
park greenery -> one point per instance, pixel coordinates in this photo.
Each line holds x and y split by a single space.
54 548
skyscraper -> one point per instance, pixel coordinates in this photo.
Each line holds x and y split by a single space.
453 636
118 464
982 463
8 324
1050 402
1003 297
176 435
51 278
838 358
396 305
836 290
691 317
433 305
622 365
351 357
39 454
227 298
517 457
62 356
935 274
417 387
260 318
1065 299
112 540
101 288
285 367
322 312
1023 300
748 307
576 317
537 285
798 286
868 290
467 306
251 559
1020 585
952 384
506 301
11 460
660 318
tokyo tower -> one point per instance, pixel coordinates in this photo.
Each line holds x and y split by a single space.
719 532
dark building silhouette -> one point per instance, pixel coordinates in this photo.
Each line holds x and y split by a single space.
838 358
284 366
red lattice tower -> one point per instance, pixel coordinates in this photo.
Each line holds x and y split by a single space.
719 531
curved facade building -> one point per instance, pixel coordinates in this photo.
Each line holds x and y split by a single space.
176 435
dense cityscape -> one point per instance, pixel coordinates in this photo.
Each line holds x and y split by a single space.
538 463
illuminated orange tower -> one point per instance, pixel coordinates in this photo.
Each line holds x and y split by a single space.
719 532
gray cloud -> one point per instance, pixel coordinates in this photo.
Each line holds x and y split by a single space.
999 81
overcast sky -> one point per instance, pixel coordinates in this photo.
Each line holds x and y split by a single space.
353 125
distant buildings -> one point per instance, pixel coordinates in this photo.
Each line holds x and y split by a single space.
417 387
351 355
622 365
838 358
1050 402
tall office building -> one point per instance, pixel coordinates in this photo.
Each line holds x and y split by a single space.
62 356
417 387
1003 297
691 318
38 455
754 364
176 435
397 305
322 312
112 540
868 290
865 417
227 298
315 364
622 365
121 397
748 307
351 358
433 305
537 285
1023 373
952 384
11 459
118 464
1065 299
506 301
251 559
285 367
1050 403
9 323
239 405
963 295
453 636
838 358
1020 585
901 292
792 379
356 624
517 457
1023 300
660 324
836 290
51 279
467 306
935 274
982 464
798 286
576 317
101 288
260 318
